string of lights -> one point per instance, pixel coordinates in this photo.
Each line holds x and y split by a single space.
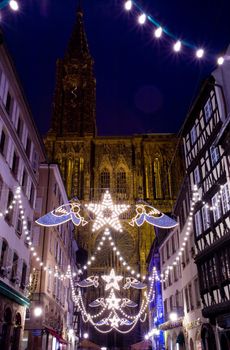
159 31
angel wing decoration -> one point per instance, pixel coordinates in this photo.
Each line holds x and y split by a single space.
127 302
146 213
62 214
134 283
89 281
98 302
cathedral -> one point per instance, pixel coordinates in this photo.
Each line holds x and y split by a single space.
133 168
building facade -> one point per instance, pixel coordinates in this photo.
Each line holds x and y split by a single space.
132 168
206 148
50 292
20 153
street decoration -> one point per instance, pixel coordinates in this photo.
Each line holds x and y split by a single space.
160 31
64 213
13 4
146 213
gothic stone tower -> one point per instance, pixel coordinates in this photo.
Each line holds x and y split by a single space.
132 168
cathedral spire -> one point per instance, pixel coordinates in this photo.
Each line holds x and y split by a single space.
78 45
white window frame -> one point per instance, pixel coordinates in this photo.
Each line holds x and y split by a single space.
196 175
225 198
216 207
205 217
198 223
215 154
193 135
208 110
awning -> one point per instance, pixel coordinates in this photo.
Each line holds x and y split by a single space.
13 295
56 335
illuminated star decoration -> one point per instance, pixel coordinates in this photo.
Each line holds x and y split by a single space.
112 280
107 213
114 321
112 301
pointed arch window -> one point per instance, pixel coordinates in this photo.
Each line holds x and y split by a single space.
121 182
105 180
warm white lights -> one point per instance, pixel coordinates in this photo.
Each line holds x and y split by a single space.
37 311
142 18
158 32
107 213
14 5
112 280
173 316
220 60
199 53
177 46
128 5
85 335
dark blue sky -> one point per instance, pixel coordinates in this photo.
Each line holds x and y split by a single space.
142 86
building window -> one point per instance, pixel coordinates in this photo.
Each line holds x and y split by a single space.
15 164
205 217
171 303
225 198
28 147
208 110
14 268
193 135
9 215
19 225
173 245
190 296
35 161
196 175
198 223
19 128
3 143
23 278
216 207
3 256
24 180
186 298
197 293
165 306
105 180
215 154
32 195
121 182
167 250
9 103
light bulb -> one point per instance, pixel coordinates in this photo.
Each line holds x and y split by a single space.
14 6
177 46
158 32
199 53
128 5
142 18
220 60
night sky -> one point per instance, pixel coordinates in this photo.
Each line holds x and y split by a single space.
142 85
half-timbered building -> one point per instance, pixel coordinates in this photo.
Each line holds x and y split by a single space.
206 151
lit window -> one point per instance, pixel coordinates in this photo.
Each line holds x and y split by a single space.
198 223
208 110
105 180
206 217
215 155
225 198
216 208
196 175
193 135
121 182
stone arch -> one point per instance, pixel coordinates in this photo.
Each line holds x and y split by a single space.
208 337
6 327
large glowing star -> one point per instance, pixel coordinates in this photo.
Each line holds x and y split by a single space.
107 213
112 280
62 214
112 301
146 213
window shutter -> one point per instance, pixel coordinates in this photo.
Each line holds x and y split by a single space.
19 269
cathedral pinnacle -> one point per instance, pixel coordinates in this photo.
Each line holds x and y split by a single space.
78 46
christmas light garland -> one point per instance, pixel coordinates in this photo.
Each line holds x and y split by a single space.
160 31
